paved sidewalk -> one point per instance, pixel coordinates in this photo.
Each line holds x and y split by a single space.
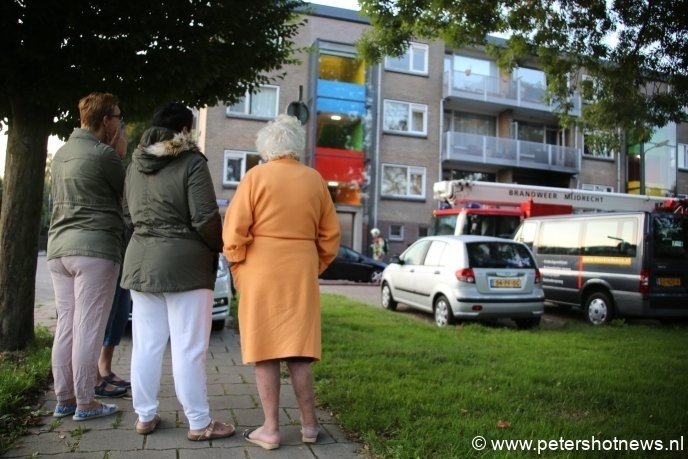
233 397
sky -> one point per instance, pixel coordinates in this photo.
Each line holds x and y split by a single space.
54 143
348 4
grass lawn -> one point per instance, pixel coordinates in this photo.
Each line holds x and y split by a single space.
24 375
411 390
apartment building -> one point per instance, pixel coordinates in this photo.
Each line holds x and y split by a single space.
382 135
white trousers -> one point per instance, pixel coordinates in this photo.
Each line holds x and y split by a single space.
185 319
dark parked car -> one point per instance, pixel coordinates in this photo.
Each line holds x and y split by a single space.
353 266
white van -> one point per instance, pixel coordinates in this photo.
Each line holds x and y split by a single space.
613 264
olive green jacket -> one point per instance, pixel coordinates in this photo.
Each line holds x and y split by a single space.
170 201
87 180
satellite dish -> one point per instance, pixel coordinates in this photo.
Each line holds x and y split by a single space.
299 110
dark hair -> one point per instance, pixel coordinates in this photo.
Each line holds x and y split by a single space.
174 115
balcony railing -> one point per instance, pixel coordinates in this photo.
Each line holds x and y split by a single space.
483 149
506 91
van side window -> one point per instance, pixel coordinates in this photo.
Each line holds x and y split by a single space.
559 238
610 238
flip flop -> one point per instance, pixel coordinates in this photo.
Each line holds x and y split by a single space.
309 435
262 444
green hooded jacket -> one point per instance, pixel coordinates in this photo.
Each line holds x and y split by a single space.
170 201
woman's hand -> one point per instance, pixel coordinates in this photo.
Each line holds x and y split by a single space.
120 141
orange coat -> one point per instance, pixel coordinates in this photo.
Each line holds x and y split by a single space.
281 231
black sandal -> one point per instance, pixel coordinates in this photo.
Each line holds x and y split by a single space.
110 379
102 391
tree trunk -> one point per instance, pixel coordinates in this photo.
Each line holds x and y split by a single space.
20 222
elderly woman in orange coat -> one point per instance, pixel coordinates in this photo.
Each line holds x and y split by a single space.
281 231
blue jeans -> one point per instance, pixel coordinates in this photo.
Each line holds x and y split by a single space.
119 316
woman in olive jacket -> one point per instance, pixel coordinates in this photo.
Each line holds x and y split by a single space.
170 267
85 251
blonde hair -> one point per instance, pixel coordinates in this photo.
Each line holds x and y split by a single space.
284 137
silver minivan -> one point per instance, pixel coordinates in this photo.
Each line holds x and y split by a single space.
466 277
613 264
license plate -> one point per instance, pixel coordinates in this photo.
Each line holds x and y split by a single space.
219 301
669 281
505 283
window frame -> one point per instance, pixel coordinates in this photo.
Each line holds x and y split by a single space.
247 98
235 154
423 108
389 60
409 171
606 154
682 156
394 236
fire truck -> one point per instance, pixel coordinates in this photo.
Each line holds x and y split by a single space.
496 209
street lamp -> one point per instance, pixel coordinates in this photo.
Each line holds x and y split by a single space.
643 151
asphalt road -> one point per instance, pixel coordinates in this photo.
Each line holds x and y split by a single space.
554 317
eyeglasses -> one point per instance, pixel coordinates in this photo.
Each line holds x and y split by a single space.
120 116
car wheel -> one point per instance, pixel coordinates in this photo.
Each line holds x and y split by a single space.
443 313
375 276
599 308
387 299
218 325
526 324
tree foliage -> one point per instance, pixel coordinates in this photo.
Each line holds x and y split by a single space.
634 51
147 53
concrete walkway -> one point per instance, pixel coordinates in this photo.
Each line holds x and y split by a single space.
233 397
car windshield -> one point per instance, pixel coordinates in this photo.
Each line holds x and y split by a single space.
499 255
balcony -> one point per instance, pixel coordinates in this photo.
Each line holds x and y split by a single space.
503 91
473 148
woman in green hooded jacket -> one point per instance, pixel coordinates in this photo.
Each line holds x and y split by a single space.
170 268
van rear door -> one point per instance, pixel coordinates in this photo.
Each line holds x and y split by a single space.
667 264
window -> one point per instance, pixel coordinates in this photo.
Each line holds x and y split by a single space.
683 155
610 238
415 254
405 117
597 144
434 255
592 187
474 66
589 87
396 232
262 104
236 164
471 123
403 181
560 238
532 77
414 60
